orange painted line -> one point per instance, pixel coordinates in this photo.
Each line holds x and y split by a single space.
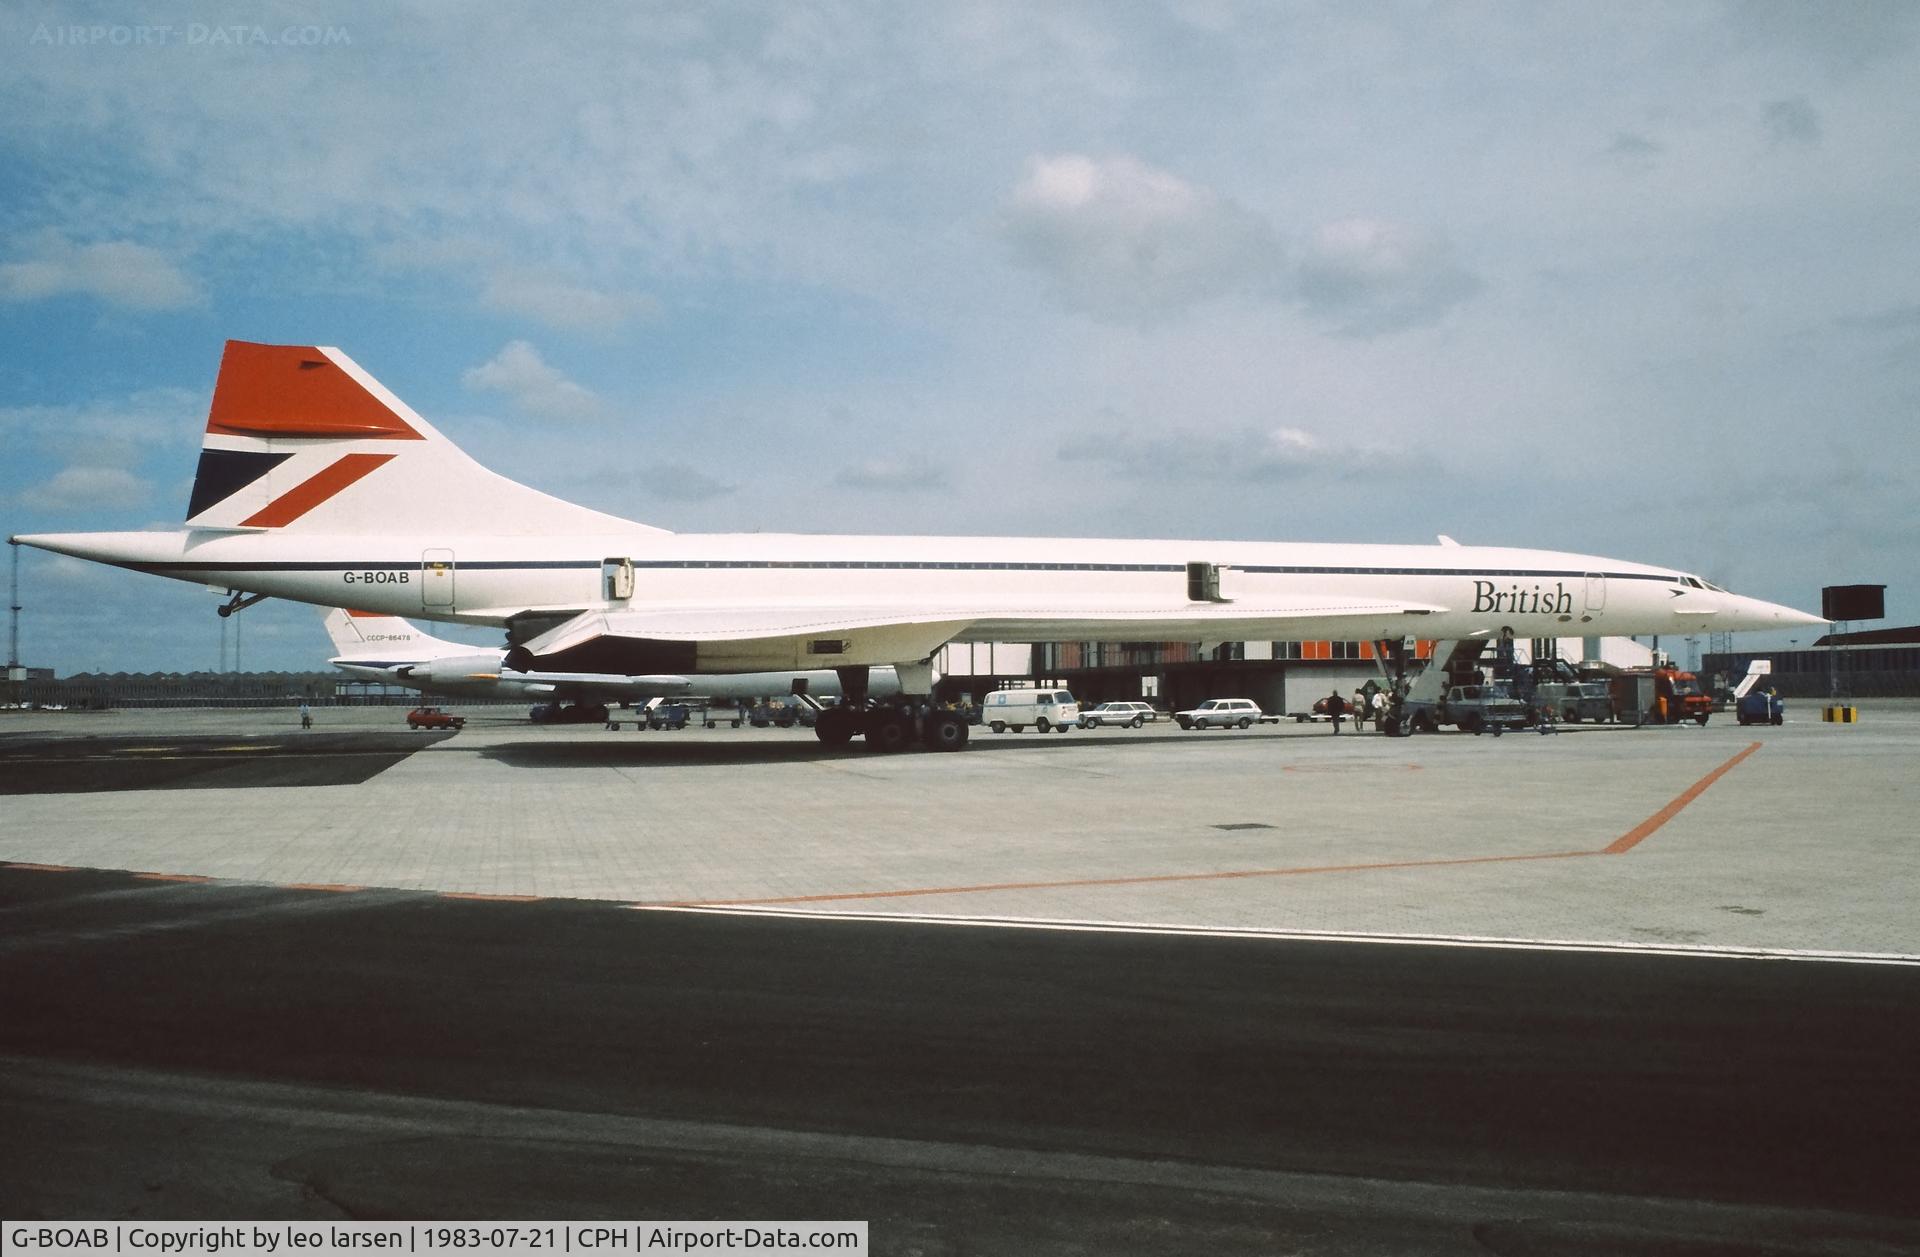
42 868
314 490
1633 837
332 888
1620 846
1147 879
463 894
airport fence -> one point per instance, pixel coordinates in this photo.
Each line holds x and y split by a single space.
122 690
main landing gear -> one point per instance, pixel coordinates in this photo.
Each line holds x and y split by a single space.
888 725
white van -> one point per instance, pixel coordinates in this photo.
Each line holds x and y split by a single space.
1043 709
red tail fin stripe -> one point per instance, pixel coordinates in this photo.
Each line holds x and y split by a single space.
316 489
295 391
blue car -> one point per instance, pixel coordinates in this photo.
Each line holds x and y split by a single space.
1760 707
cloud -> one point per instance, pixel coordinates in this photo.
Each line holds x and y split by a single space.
624 487
1631 144
1241 455
519 373
117 272
1125 242
110 431
86 488
1370 277
880 476
679 482
563 306
1844 39
1791 122
1894 319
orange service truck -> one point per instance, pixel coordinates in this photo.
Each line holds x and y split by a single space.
1660 696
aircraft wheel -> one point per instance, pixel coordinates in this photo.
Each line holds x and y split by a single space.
836 726
945 731
888 731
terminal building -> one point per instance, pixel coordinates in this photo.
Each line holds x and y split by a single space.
1282 677
1877 663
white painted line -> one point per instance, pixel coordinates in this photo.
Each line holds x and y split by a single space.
1306 936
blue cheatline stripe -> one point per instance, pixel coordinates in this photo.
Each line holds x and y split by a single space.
382 565
854 565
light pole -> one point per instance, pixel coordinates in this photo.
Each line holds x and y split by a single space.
15 672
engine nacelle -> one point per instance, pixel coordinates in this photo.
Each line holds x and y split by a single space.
455 668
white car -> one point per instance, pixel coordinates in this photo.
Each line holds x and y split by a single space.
1126 715
1221 713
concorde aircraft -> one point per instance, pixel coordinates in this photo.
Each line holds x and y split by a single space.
374 646
317 484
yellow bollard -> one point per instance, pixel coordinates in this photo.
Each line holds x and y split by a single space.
1840 715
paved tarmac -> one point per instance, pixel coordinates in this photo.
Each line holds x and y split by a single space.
96 763
218 1049
1806 843
1059 993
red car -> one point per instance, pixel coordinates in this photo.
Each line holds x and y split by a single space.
433 718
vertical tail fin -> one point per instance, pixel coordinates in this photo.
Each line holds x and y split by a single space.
366 636
300 438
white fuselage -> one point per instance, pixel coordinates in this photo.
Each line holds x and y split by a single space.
1006 589
316 483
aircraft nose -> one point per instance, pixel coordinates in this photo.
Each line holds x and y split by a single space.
1752 613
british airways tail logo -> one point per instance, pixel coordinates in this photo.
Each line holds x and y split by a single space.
1521 600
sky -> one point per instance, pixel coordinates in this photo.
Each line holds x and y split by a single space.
1637 280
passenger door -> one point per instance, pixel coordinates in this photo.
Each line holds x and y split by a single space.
436 580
